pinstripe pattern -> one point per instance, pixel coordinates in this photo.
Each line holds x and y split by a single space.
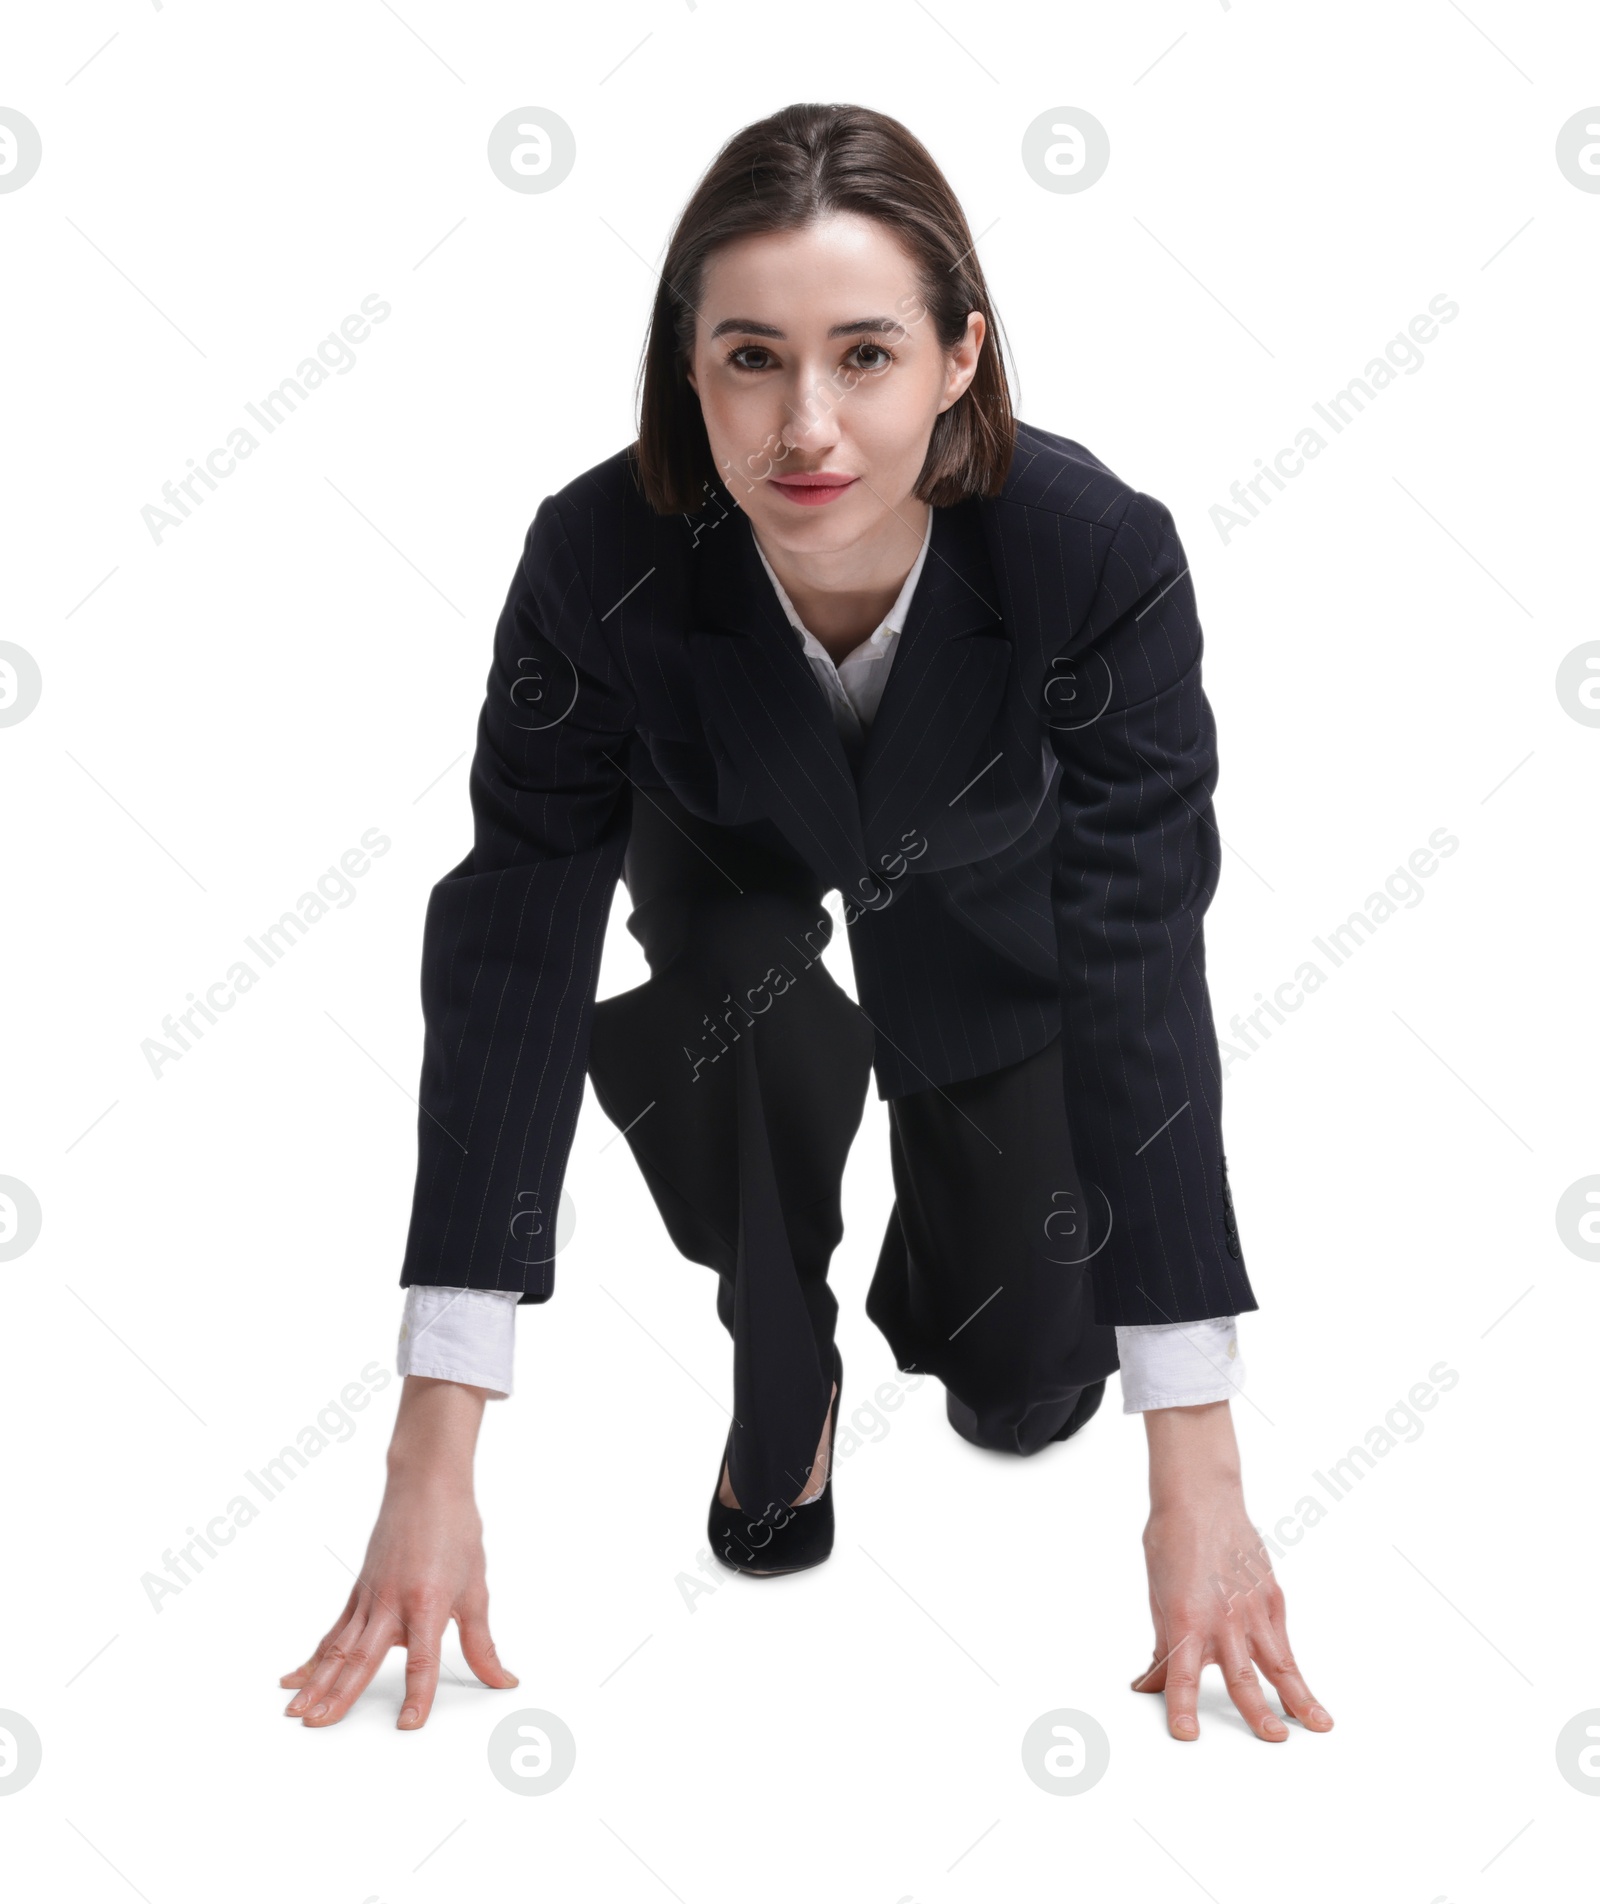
1027 845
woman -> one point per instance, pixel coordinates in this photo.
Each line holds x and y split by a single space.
838 622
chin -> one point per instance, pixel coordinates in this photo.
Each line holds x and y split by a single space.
813 528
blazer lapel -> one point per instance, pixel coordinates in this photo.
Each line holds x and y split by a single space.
771 716
942 696
767 709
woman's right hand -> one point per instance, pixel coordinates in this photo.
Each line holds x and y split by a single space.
424 1566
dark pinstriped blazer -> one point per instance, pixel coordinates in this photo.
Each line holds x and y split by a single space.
1026 847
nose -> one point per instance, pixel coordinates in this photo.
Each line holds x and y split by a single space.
811 415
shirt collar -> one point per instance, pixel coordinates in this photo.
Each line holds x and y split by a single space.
892 623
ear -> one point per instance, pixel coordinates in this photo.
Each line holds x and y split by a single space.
963 359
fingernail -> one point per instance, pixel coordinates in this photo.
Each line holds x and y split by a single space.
511 1678
1185 1725
297 1703
317 1711
1275 1729
409 1716
1321 1717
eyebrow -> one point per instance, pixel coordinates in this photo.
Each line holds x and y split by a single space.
887 325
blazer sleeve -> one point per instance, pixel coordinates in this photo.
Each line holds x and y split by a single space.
513 935
1136 862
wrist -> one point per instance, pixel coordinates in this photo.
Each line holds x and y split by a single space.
1193 1455
435 1431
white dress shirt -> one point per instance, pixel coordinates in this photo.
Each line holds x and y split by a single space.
468 1335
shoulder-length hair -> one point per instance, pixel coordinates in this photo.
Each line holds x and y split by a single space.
782 173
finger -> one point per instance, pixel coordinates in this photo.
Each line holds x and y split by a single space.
1181 1682
1154 1676
1269 1646
422 1680
358 1659
328 1667
424 1638
301 1673
324 1663
472 1622
1245 1689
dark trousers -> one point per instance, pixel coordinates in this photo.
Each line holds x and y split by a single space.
739 1072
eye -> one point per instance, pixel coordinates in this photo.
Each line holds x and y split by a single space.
737 356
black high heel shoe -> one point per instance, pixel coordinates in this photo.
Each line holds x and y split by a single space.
792 1537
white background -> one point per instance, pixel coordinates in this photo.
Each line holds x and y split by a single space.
225 713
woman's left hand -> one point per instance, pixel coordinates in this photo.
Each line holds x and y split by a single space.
1213 1595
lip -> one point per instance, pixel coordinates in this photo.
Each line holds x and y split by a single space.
811 491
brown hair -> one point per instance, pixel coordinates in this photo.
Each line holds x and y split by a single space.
780 174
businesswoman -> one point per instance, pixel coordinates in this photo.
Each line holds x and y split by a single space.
838 622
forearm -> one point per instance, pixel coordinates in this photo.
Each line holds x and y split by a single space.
435 1432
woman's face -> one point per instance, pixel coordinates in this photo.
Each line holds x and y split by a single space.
814 355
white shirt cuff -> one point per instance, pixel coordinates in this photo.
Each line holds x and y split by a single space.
459 1335
1179 1364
